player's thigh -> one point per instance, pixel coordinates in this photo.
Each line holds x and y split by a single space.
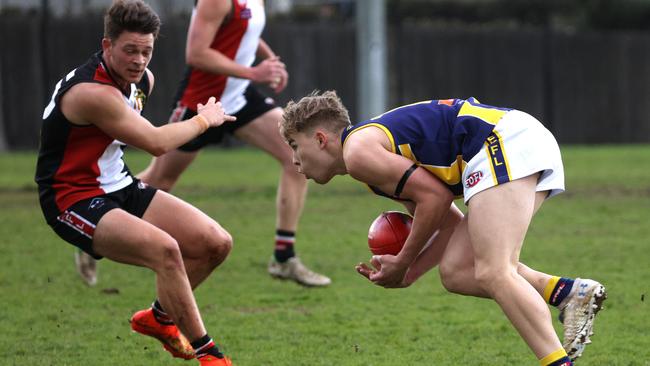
459 254
263 132
194 231
125 238
498 219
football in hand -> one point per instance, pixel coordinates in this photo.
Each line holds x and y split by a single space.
388 232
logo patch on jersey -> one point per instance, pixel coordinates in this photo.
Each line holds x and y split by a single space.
269 101
140 99
449 102
142 185
473 179
246 13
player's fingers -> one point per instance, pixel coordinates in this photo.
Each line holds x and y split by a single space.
228 118
365 272
376 261
364 267
199 106
212 100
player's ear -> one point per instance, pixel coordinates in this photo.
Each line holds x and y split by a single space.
321 137
106 44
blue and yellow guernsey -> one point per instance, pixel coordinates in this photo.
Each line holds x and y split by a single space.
438 135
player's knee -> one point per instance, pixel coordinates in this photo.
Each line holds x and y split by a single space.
218 242
490 277
450 276
169 257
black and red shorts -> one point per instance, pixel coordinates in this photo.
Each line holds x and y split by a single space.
256 105
77 224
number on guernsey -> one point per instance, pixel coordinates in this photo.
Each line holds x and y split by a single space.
52 103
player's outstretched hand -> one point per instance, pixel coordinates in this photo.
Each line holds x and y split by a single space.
214 113
389 272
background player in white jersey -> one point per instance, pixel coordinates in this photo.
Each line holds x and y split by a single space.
90 198
223 41
502 161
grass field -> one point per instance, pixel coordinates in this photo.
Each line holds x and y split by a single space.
598 229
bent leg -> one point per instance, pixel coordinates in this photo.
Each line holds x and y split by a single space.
125 238
457 272
163 171
497 222
203 243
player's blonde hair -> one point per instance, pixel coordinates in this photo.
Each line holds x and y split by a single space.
324 110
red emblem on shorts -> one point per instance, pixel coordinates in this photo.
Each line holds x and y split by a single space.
473 179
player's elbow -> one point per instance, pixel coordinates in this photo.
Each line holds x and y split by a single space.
193 58
157 152
190 59
156 148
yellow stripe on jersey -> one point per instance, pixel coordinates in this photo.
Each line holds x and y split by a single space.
489 115
449 174
405 150
382 127
400 107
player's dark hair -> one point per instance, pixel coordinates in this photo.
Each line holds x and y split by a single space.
131 16
325 109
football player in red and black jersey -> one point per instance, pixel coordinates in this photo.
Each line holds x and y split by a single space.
223 42
91 200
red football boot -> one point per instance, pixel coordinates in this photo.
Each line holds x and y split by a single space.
174 342
210 360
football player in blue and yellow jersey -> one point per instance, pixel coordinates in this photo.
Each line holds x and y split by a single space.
502 162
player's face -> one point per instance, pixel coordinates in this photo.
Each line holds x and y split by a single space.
311 157
128 56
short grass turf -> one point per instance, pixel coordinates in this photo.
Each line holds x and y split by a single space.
597 229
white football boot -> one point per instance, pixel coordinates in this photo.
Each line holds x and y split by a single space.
293 269
86 267
577 313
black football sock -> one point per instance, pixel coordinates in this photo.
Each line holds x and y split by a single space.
205 346
284 241
161 316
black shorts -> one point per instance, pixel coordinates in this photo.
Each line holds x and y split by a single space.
256 105
77 224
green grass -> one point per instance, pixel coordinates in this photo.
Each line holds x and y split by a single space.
598 229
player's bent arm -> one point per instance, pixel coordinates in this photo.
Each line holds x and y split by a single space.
264 50
104 107
368 158
433 251
410 206
432 201
205 23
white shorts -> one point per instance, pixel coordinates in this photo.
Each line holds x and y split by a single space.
518 147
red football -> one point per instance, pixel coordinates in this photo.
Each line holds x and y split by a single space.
388 232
